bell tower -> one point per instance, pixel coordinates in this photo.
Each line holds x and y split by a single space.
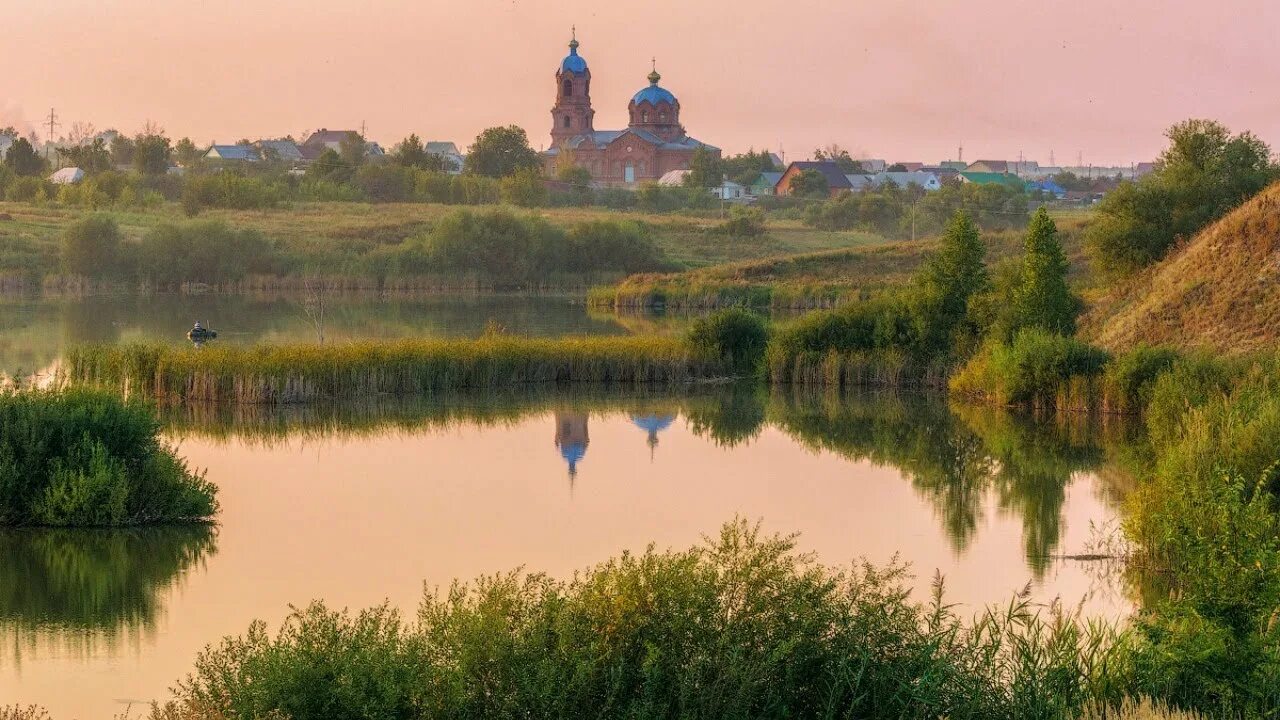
572 114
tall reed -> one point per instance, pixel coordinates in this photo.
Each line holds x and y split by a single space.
304 373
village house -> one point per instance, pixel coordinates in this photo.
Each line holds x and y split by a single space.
323 139
837 180
653 144
993 178
448 152
232 153
926 180
988 166
285 151
766 184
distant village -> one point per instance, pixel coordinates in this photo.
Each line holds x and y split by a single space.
653 148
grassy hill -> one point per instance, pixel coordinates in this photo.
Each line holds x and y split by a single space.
1220 291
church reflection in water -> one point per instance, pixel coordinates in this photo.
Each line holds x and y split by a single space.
572 436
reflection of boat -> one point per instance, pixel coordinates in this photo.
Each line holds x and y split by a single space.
199 333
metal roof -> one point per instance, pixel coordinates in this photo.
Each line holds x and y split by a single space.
654 94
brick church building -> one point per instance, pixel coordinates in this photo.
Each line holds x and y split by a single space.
653 144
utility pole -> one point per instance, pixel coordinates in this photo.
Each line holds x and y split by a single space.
53 122
1051 162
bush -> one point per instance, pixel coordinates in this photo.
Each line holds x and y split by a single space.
80 458
1038 369
208 252
743 626
91 248
525 188
744 222
735 336
1131 376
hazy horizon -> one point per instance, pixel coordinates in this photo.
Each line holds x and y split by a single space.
905 81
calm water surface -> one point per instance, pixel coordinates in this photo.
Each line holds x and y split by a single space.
358 505
35 332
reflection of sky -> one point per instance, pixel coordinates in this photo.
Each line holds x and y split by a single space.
356 520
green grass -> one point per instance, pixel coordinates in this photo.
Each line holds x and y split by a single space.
363 370
819 279
331 237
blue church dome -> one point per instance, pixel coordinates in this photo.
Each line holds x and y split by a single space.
654 93
573 62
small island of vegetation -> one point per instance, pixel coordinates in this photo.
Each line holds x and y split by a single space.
79 458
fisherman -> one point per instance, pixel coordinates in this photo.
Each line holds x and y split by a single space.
197 328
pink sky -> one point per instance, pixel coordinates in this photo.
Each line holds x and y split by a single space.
903 80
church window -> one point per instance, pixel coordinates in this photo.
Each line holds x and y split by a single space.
617 167
662 117
640 168
568 88
644 116
568 121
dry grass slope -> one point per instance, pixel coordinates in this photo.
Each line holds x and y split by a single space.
1221 291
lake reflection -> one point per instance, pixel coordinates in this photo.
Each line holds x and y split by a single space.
34 332
357 504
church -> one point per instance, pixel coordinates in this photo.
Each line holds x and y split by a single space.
653 144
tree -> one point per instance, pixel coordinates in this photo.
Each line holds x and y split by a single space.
946 283
22 158
896 167
746 168
92 158
525 188
1042 298
187 154
122 150
705 170
576 180
501 151
838 155
1202 174
91 247
330 166
810 184
151 154
353 149
411 153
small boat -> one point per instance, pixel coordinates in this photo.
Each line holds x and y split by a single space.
199 333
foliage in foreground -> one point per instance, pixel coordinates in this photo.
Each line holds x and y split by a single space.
742 626
80 458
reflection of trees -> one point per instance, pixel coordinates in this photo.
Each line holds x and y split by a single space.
916 434
730 417
955 456
97 583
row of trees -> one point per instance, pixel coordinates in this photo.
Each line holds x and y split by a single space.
909 211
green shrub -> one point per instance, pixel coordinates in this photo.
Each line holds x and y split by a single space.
1038 369
736 336
80 458
91 247
207 252
743 626
1130 377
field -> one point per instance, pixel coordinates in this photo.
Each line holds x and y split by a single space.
337 227
823 278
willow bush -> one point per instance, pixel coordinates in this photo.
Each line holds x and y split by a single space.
81 458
